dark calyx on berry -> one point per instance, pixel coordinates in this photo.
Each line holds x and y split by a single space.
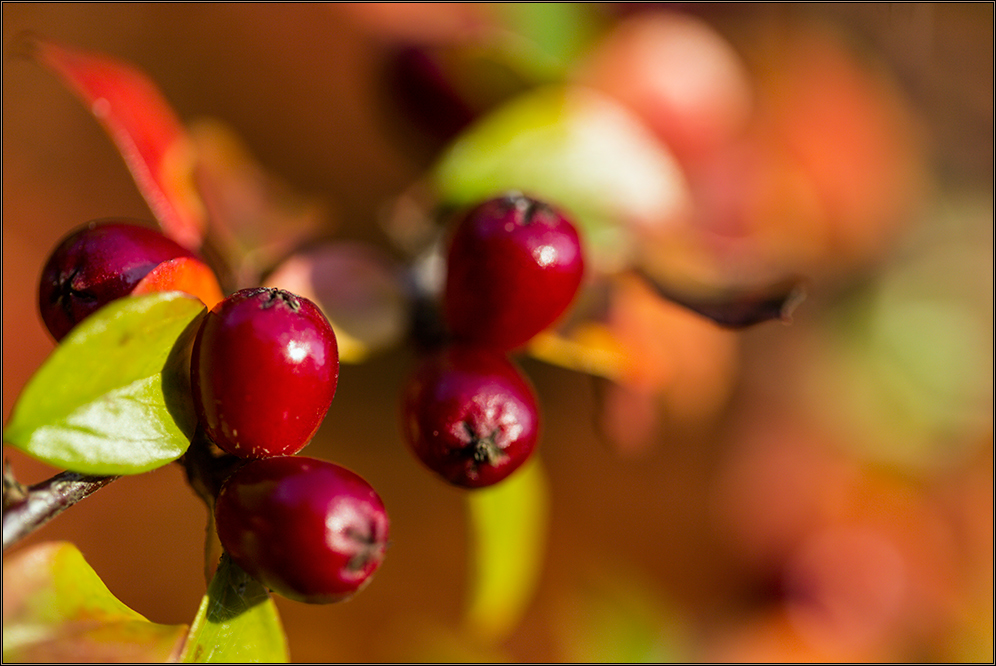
270 296
470 415
96 264
264 370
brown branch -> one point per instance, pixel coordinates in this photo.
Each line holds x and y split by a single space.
27 509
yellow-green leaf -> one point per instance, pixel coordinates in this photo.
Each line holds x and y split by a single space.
113 397
508 526
56 609
236 623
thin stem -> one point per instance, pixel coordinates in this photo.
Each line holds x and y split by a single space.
34 506
207 467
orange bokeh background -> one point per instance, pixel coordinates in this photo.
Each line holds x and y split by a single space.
742 492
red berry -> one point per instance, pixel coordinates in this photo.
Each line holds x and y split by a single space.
470 415
421 89
514 265
264 369
308 529
96 264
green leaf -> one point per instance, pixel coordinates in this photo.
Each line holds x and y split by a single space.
114 397
901 371
508 526
56 608
547 38
236 623
616 616
575 148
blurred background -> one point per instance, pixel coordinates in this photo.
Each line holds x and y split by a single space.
816 491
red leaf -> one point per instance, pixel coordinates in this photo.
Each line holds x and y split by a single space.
145 129
185 274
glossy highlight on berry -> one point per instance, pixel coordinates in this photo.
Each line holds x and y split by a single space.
264 370
514 266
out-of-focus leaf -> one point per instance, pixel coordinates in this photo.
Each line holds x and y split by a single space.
575 148
588 347
359 290
546 38
905 368
440 88
56 609
617 618
186 274
654 354
509 523
109 399
256 219
145 129
848 126
678 73
236 623
906 384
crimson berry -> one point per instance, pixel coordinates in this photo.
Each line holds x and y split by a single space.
470 415
95 264
264 369
308 529
514 265
422 91
440 89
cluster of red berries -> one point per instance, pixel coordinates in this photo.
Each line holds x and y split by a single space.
264 369
514 265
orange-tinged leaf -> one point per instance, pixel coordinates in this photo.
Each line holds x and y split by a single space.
146 130
588 347
653 354
185 274
675 350
56 609
845 119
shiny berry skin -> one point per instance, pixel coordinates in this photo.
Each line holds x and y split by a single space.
308 529
264 369
95 264
514 265
470 415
